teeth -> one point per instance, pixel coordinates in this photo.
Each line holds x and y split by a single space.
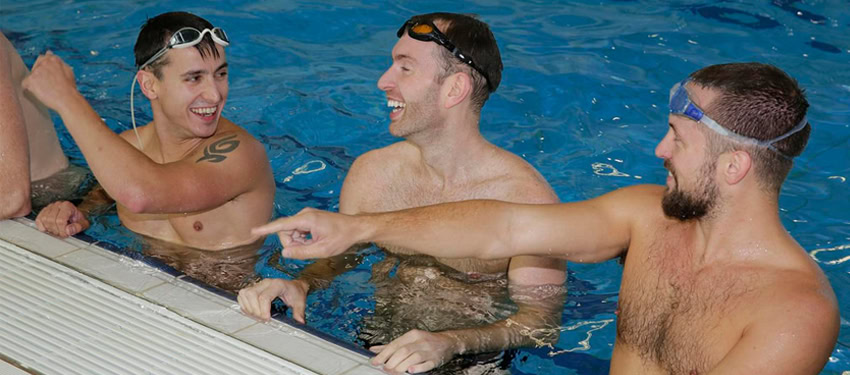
204 111
395 104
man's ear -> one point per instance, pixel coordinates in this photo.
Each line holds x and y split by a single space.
148 83
736 165
458 87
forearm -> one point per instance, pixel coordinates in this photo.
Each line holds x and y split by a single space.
487 229
322 272
535 324
469 229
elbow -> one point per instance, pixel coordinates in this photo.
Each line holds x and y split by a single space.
134 199
15 204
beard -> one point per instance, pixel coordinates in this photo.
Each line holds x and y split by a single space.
682 205
418 115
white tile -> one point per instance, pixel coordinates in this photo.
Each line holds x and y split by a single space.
365 370
201 306
31 239
78 243
289 343
123 272
7 369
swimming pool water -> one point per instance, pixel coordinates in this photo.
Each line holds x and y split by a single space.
583 98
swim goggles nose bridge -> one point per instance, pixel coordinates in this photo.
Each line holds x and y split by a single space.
428 32
681 104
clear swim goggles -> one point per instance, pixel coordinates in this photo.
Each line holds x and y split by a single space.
428 32
184 38
681 104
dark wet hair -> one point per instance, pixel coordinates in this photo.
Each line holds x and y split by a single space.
156 31
474 38
758 101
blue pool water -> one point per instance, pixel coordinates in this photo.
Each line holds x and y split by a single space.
583 99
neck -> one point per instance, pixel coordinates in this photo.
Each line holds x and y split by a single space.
742 226
173 145
451 151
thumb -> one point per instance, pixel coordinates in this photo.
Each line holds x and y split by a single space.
298 314
301 251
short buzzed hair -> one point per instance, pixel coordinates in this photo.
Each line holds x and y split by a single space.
758 101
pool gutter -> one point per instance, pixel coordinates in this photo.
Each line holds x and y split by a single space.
71 306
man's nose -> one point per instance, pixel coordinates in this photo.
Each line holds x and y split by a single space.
387 81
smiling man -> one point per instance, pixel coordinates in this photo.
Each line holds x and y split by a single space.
712 283
445 66
190 176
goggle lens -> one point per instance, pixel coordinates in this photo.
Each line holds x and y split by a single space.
422 29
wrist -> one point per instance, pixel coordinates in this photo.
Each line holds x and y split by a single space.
69 104
454 342
368 227
303 284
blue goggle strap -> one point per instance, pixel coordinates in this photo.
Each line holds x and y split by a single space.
695 113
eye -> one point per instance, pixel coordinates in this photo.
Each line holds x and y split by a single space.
404 69
221 74
193 78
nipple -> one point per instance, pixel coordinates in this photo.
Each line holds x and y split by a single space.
198 226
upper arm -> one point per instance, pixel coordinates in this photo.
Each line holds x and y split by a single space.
15 169
795 337
228 165
593 230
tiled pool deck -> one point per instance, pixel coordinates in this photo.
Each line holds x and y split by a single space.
187 302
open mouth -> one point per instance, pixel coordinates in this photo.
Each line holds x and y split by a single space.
397 107
205 113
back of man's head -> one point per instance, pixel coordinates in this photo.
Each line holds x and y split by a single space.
156 32
762 102
474 38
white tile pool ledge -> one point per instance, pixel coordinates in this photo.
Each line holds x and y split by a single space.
71 307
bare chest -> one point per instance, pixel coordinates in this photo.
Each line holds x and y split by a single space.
219 228
677 318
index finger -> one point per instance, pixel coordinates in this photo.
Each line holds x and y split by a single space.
279 225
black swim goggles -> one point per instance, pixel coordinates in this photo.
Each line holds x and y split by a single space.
428 32
187 37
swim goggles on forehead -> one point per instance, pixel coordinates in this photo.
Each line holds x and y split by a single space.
188 37
182 38
428 32
681 104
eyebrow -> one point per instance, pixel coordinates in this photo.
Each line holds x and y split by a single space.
202 71
403 57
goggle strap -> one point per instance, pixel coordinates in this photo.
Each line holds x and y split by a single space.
791 132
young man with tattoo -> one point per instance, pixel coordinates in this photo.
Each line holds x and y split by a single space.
189 177
426 308
712 283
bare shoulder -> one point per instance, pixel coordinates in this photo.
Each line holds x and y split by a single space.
233 142
371 172
516 180
798 316
129 135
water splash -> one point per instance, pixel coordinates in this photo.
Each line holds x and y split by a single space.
814 254
605 169
311 166
583 344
